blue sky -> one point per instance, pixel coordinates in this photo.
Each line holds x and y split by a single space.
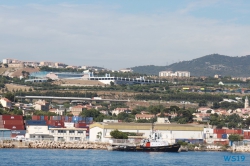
117 34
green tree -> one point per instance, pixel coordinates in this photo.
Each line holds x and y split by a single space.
118 134
235 137
9 96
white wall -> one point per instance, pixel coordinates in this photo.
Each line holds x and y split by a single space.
168 135
38 130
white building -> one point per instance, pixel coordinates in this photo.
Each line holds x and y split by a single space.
174 74
7 61
101 131
38 132
6 103
126 70
68 134
116 111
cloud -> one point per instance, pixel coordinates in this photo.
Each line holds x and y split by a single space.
103 36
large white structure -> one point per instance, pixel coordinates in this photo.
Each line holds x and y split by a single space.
101 131
68 134
174 74
38 132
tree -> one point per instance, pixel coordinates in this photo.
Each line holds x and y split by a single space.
216 105
209 111
234 137
118 134
9 96
247 121
202 103
99 135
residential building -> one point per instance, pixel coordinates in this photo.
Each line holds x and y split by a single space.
41 105
76 110
126 70
144 116
6 103
116 111
174 74
57 111
50 64
16 65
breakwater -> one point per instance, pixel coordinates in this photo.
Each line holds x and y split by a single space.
104 146
53 145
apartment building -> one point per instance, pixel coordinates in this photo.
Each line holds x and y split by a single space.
174 74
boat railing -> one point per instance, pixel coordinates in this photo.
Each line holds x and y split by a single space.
124 141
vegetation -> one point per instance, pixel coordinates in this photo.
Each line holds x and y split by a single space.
235 137
205 66
118 134
231 121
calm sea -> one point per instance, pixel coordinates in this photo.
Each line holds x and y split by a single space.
34 157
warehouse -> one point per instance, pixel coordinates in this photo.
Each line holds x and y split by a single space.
171 132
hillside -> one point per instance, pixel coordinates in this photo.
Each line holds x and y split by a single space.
205 66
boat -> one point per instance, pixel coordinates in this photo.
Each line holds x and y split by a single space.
154 143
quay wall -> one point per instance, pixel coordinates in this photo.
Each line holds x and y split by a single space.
53 145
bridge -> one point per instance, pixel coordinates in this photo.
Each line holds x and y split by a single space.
124 80
68 98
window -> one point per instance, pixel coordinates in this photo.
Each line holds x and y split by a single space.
77 139
71 138
60 138
80 132
61 131
71 131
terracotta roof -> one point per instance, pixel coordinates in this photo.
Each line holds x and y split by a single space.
5 99
144 115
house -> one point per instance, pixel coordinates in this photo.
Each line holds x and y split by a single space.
144 116
41 105
204 109
57 111
76 110
116 111
6 103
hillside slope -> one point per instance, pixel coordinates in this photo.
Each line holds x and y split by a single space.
208 65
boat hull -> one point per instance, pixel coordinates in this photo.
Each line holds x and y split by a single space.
170 148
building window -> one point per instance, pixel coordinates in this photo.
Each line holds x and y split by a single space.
71 131
60 138
80 132
77 138
71 138
61 131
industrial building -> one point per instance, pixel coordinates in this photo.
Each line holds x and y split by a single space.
173 132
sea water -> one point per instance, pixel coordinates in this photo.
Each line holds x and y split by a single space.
61 157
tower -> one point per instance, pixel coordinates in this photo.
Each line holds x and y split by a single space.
246 102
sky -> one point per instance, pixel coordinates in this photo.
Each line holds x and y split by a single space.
117 34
